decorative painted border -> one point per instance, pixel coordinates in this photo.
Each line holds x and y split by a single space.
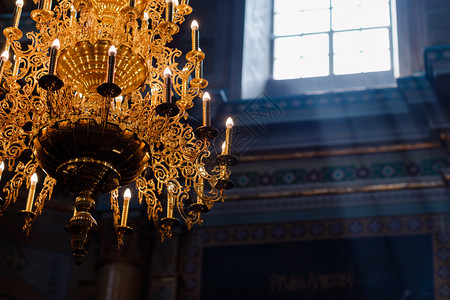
435 225
298 174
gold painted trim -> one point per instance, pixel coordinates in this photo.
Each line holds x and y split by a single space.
342 190
340 152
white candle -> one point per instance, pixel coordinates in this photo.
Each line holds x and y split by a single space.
229 124
168 85
195 35
111 63
31 192
206 110
17 13
2 167
126 205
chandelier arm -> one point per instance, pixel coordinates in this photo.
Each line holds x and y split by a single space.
22 173
114 200
44 195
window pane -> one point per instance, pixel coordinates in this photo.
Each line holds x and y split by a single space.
341 3
314 21
298 5
301 56
286 69
287 24
314 66
314 44
361 16
361 51
288 47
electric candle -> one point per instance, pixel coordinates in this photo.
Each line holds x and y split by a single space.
169 11
118 102
17 13
73 15
53 54
2 167
223 148
199 68
47 4
145 21
126 205
168 85
170 201
206 110
16 66
3 58
195 35
185 83
229 124
31 192
111 63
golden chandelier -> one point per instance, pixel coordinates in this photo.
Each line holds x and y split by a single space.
91 104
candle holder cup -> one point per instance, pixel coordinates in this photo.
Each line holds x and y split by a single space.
224 184
206 132
226 160
13 33
199 207
170 222
109 89
168 28
184 9
41 15
50 83
167 109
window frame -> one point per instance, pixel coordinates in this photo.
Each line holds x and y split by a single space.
333 81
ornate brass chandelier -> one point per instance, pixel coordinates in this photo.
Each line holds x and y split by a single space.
98 101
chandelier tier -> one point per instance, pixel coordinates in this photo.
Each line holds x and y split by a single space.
101 101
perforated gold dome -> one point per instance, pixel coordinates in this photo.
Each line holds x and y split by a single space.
85 65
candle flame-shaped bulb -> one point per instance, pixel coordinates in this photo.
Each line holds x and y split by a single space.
112 50
229 123
56 44
72 9
34 178
2 166
167 72
127 194
194 25
206 96
5 55
145 18
176 2
19 3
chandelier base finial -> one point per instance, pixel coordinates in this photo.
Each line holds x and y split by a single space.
80 226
